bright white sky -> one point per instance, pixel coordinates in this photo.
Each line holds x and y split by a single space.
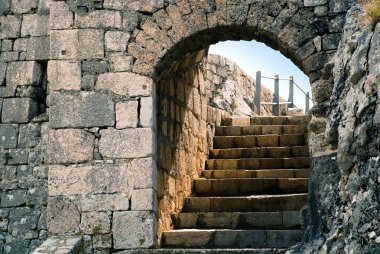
253 56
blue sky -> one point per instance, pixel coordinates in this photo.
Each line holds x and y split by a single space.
253 56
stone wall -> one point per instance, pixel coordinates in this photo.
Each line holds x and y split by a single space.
182 140
24 48
232 90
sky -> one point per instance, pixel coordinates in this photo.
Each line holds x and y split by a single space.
253 56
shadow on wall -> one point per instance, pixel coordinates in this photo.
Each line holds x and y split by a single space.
182 134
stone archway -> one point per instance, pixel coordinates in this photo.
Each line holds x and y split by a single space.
171 46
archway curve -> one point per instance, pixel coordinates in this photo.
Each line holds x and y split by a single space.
189 26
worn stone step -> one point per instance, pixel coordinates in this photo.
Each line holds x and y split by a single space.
249 186
260 163
260 152
206 251
257 203
239 220
265 173
260 130
266 120
194 238
251 141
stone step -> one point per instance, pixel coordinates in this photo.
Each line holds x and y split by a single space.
258 203
265 120
251 141
260 152
260 163
249 186
219 238
260 130
268 173
206 251
239 220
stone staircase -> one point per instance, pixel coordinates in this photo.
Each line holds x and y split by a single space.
251 193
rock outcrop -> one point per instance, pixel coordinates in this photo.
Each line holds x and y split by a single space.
232 90
345 194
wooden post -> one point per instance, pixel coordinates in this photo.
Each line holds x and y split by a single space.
258 92
307 105
276 98
291 92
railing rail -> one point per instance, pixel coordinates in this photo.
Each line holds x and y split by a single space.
276 98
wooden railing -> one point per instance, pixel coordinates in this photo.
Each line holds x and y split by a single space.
276 98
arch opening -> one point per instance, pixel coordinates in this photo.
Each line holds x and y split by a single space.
185 122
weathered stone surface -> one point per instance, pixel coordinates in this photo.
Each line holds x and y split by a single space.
144 200
125 83
62 245
21 220
100 19
122 143
34 25
148 6
69 146
60 15
146 112
88 82
131 20
95 223
19 110
102 241
44 7
6 45
13 198
116 40
88 109
64 75
94 66
331 41
10 27
338 6
37 197
119 62
126 114
38 48
144 173
77 44
63 216
5 6
23 6
17 156
10 56
7 173
29 135
97 179
132 230
322 90
8 136
24 73
311 3
106 202
373 56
